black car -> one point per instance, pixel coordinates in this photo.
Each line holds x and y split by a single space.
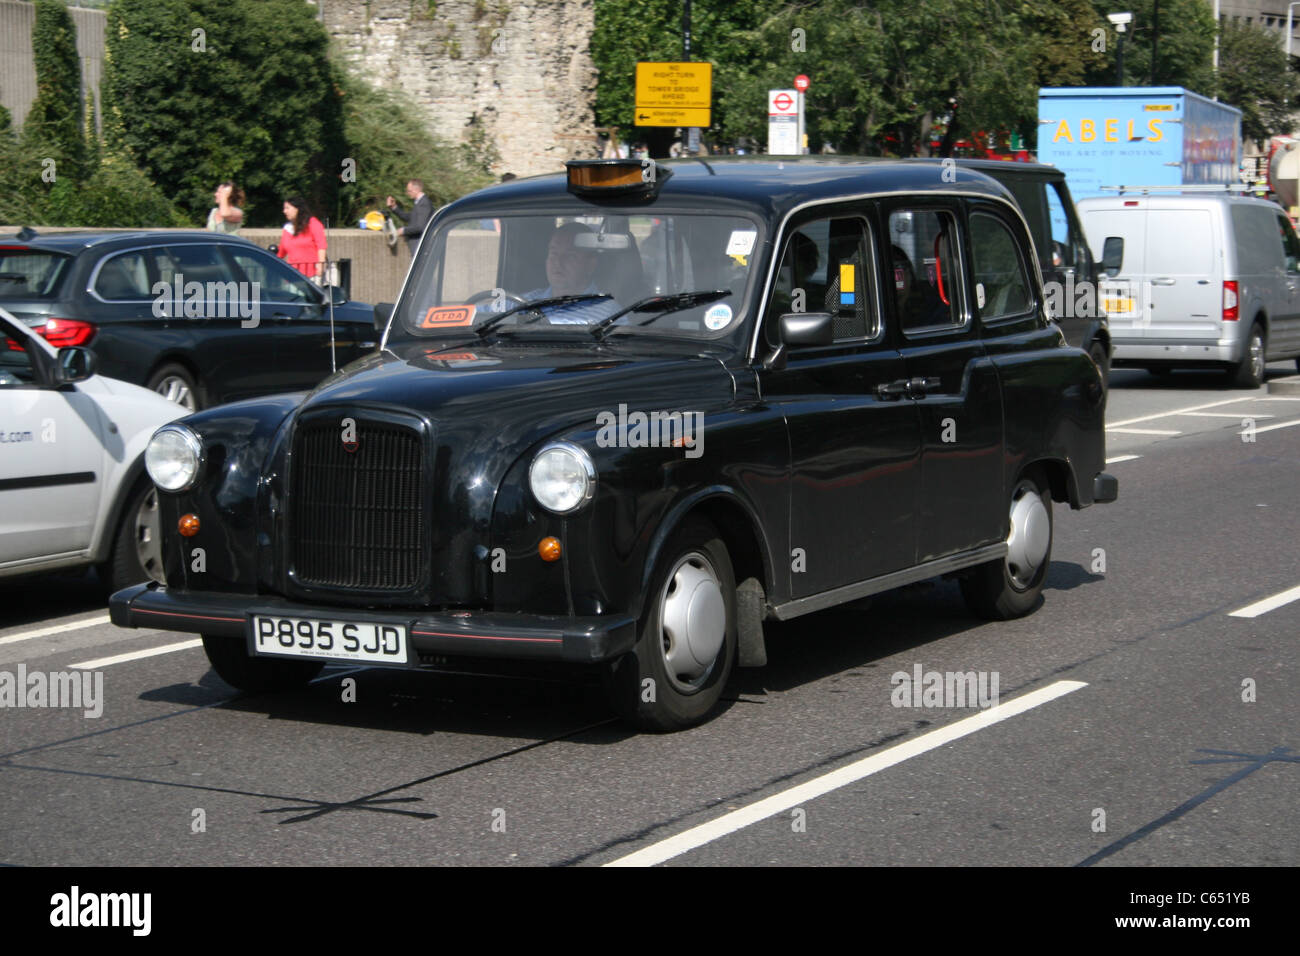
199 317
622 416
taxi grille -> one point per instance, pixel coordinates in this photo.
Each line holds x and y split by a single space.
357 518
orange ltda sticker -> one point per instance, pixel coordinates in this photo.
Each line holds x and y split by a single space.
447 316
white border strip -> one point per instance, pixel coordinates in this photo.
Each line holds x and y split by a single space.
137 655
1268 604
788 799
54 629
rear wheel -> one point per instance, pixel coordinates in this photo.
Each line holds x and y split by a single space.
686 647
137 548
1010 587
230 659
175 383
1249 372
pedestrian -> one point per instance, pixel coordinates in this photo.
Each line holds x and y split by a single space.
227 215
418 218
302 241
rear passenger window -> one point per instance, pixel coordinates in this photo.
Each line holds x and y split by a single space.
1001 283
826 268
926 282
124 278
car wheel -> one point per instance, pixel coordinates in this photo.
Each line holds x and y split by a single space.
137 548
175 383
1249 372
230 659
1097 352
686 644
1010 587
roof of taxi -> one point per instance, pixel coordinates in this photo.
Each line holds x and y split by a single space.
769 185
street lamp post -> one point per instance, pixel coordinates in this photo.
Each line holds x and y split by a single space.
1120 22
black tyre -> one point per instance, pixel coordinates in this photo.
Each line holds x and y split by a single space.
686 646
1010 587
176 383
1097 352
1249 372
229 658
137 546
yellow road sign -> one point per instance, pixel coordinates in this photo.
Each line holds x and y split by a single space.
674 94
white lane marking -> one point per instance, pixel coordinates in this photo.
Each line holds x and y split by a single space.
1268 604
1119 458
1142 431
1236 415
1179 411
1269 428
794 796
53 629
136 655
1277 398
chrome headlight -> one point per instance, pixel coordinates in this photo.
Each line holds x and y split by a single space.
562 477
173 457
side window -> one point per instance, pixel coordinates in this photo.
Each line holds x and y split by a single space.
276 282
1001 283
827 267
124 277
15 361
926 281
199 262
1290 245
1069 250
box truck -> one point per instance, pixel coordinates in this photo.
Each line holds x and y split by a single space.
1140 135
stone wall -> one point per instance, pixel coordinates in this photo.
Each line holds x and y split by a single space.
520 68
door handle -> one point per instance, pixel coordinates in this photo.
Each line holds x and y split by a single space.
920 387
893 390
1163 281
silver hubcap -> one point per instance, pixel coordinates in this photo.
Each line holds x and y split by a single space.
692 621
148 537
1257 356
1030 537
175 389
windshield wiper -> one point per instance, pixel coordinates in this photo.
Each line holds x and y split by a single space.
493 322
661 305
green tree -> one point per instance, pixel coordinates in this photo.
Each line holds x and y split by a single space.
198 91
1254 76
55 118
1185 51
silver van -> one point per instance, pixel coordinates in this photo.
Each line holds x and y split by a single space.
1197 278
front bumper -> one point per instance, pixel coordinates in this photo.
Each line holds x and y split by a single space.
578 640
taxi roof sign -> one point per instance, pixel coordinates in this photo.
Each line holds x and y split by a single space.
674 94
622 177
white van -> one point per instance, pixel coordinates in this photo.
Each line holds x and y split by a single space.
1197 278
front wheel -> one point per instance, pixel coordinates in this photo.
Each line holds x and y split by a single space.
1000 590
229 657
686 647
1097 352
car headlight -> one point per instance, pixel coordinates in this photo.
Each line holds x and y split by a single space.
173 457
562 477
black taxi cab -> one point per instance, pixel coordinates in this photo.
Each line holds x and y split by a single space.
622 415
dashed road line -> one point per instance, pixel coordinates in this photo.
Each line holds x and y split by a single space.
794 796
1179 411
1271 428
1142 431
1268 603
137 655
1236 415
1119 458
53 629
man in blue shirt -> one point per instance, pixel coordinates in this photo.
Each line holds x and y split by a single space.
571 270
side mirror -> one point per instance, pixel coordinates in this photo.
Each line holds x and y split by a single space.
76 364
1112 255
801 329
383 312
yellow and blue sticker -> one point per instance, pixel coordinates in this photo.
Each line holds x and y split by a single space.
846 285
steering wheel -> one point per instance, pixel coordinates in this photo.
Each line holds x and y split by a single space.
478 297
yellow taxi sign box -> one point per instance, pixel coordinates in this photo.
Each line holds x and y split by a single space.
615 177
674 94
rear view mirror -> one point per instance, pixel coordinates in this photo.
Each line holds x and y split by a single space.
603 240
1112 255
383 312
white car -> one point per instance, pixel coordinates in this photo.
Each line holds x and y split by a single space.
73 489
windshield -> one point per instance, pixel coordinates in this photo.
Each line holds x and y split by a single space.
608 274
31 273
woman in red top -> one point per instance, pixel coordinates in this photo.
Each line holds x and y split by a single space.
302 241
